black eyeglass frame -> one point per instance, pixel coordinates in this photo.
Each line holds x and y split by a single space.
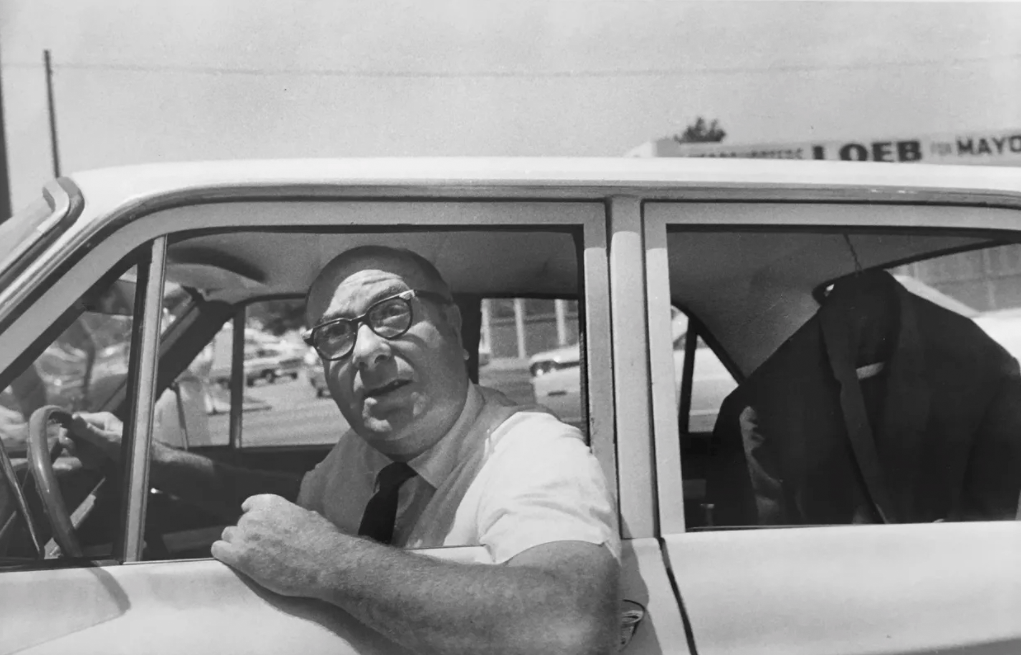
356 322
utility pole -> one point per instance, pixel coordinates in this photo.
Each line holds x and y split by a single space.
5 180
53 113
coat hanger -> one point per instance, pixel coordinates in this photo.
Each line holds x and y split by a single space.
870 311
854 254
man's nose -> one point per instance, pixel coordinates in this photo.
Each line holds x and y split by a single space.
370 348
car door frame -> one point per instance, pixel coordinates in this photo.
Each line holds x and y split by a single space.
733 585
95 243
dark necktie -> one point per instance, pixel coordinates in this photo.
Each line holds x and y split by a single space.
381 511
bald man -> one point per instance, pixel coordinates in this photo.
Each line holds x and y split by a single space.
430 460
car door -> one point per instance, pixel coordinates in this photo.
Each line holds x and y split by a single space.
755 268
124 602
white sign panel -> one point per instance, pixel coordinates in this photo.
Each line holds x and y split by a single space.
991 148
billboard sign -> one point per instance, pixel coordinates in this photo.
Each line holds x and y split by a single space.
994 147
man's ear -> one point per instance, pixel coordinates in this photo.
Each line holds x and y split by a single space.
452 315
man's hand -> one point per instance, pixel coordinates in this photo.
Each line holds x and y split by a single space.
93 438
13 428
280 546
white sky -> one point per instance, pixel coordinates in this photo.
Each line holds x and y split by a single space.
140 81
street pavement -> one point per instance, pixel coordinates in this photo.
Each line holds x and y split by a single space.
288 414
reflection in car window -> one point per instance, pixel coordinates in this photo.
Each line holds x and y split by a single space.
926 427
82 369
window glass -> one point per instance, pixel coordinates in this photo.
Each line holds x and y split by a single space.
925 354
83 368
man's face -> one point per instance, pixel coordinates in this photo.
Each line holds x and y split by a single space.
403 394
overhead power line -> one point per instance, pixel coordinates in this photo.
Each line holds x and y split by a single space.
672 71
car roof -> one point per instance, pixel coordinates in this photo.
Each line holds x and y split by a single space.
548 177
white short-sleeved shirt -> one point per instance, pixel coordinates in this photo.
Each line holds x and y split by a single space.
506 477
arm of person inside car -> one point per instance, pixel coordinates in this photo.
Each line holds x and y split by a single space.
215 486
557 597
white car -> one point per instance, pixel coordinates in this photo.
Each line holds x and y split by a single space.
100 562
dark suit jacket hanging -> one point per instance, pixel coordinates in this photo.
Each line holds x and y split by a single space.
798 443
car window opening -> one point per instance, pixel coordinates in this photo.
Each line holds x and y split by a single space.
954 312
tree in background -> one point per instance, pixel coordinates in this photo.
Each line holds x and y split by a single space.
701 132
278 316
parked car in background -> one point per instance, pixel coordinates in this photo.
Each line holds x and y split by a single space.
269 363
266 358
547 361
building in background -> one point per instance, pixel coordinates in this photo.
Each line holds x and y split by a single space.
516 328
987 280
989 148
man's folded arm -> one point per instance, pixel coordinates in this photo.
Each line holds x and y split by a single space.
559 597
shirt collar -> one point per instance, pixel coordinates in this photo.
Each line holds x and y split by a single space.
435 464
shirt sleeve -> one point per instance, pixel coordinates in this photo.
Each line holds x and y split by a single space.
542 484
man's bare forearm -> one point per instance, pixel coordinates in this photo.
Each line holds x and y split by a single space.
430 605
559 597
218 487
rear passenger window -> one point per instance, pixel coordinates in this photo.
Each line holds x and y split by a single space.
879 377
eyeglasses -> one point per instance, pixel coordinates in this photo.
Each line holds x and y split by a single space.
389 318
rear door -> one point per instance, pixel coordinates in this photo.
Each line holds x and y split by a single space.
752 271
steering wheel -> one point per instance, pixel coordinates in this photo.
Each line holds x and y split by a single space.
41 458
63 524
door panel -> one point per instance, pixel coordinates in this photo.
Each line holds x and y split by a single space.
947 588
175 607
644 580
203 606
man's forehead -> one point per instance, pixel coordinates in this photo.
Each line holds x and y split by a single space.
363 278
366 285
362 281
